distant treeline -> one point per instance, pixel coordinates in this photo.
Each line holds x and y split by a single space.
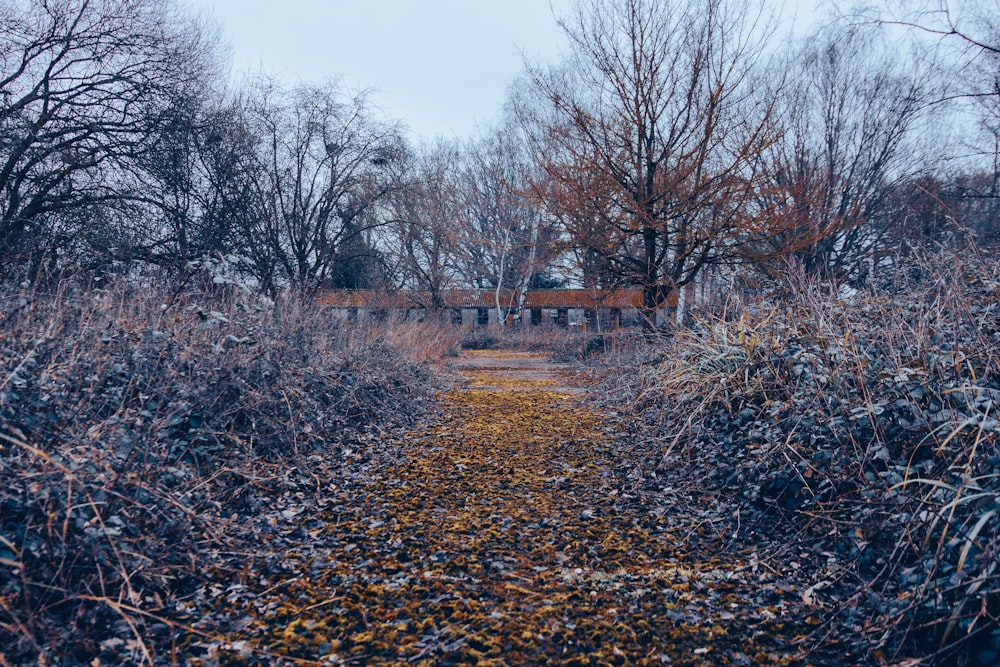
678 145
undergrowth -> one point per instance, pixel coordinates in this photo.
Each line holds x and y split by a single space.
849 443
140 426
562 344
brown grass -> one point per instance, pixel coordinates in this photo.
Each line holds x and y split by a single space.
856 436
138 424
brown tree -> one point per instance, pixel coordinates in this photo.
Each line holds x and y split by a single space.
850 112
651 138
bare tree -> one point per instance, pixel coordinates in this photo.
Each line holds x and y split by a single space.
325 165
78 81
651 138
504 239
961 42
428 218
850 113
182 176
973 25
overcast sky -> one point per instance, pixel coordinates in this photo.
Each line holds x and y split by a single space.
441 66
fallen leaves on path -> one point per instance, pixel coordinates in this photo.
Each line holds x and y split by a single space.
500 538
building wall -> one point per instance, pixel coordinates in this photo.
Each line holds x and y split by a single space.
575 317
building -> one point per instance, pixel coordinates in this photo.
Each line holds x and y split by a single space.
586 309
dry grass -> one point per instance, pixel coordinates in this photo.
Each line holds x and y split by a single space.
139 424
855 436
562 344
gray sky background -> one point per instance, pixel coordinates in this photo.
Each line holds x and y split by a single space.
441 66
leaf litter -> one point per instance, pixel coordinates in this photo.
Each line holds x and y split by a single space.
499 532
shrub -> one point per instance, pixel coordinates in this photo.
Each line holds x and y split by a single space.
138 424
861 430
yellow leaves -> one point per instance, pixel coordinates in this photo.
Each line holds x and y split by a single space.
292 630
519 589
363 637
495 541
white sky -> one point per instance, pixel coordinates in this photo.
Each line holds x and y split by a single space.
440 66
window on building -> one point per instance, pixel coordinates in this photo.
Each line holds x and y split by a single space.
456 316
483 316
562 317
536 316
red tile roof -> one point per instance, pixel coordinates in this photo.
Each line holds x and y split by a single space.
626 297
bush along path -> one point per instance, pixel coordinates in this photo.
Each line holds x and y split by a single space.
498 537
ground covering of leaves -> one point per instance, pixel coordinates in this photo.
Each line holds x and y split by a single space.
500 536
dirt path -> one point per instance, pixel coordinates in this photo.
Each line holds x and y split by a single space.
501 540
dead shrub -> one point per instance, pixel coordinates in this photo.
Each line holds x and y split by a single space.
562 344
138 424
858 431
